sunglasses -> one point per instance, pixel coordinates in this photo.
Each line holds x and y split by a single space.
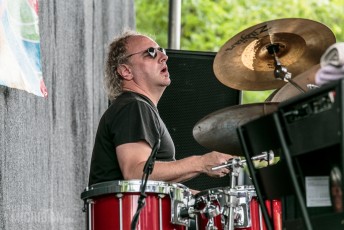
153 52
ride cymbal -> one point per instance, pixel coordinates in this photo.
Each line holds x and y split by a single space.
218 130
245 63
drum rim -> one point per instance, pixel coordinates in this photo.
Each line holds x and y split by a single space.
220 190
129 186
210 191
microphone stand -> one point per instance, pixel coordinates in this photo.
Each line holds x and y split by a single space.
147 170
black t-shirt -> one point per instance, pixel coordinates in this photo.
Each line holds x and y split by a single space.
130 118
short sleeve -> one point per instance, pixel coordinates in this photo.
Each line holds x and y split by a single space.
135 122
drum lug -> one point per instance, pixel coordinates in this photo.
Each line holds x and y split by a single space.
119 195
87 202
180 199
177 211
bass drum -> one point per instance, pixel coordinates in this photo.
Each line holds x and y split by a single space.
112 205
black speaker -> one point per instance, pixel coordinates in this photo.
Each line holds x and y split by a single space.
194 93
313 125
307 132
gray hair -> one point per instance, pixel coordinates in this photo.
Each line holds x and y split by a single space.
116 55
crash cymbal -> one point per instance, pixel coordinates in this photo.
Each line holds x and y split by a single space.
244 62
218 130
288 90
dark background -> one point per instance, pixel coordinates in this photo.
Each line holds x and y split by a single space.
194 93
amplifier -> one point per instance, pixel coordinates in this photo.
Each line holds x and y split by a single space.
314 120
313 130
307 133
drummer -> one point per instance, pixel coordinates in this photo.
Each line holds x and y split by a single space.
136 77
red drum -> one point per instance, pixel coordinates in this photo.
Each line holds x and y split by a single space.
112 205
212 209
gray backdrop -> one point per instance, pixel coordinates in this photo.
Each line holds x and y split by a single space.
46 144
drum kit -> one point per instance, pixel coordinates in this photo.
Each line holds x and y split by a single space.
283 55
172 206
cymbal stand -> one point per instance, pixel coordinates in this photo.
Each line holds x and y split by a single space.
281 71
235 164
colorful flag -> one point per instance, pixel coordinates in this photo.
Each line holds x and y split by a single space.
20 54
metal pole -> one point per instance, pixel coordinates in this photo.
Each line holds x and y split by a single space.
174 24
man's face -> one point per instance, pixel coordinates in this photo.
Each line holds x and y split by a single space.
148 67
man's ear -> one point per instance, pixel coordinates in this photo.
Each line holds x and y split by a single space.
125 71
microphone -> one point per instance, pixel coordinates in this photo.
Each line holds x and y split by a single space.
148 168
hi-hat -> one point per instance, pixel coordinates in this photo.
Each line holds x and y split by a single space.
288 90
218 130
245 62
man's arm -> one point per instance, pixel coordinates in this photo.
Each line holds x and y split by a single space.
133 156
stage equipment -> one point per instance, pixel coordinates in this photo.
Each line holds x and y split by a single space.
147 170
112 205
217 130
234 206
307 131
214 202
262 56
305 80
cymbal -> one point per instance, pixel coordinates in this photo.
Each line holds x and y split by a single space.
288 90
217 131
244 62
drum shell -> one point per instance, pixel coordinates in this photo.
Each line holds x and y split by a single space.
112 205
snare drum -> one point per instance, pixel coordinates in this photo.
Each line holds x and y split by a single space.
112 205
